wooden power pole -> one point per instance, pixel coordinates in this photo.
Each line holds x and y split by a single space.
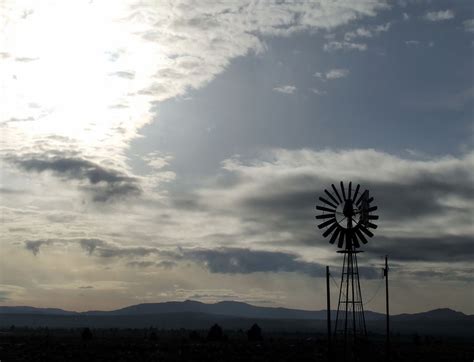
385 273
329 313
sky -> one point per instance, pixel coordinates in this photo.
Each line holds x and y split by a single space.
169 150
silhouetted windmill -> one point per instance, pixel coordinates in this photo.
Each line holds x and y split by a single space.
348 219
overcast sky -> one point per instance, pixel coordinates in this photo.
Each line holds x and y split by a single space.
168 150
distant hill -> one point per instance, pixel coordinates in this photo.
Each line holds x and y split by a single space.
33 310
225 308
435 314
231 314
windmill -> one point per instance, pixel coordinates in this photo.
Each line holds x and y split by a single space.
347 218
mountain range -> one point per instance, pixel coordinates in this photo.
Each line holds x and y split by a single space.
194 314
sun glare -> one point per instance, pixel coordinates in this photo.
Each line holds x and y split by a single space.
79 75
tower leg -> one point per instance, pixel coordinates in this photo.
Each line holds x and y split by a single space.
350 317
387 310
328 313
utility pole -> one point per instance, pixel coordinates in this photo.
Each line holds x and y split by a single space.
329 313
387 346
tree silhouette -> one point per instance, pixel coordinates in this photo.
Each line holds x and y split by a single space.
153 337
215 333
194 336
86 334
254 334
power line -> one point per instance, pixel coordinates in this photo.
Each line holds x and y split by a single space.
378 288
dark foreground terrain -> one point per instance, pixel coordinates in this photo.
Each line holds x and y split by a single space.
26 344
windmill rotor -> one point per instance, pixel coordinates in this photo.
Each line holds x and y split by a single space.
347 215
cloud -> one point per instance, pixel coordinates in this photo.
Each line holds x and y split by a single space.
440 248
274 196
25 59
366 32
165 264
382 28
108 83
337 73
336 45
125 252
412 42
286 89
469 25
358 33
110 250
245 261
124 74
91 244
319 92
148 52
35 245
104 183
88 245
441 15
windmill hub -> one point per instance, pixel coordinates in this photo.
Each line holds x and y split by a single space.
348 210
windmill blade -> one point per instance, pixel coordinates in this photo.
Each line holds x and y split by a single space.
370 225
340 242
328 202
330 229
356 192
373 217
337 193
361 236
365 193
366 231
331 197
349 192
373 208
369 200
355 241
334 236
322 208
325 216
343 191
326 223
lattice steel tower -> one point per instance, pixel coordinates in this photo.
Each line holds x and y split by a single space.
348 219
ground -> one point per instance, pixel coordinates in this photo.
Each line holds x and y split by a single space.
19 344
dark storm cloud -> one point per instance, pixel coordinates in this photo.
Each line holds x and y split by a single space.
104 183
449 274
421 197
246 261
90 245
418 197
35 245
444 248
